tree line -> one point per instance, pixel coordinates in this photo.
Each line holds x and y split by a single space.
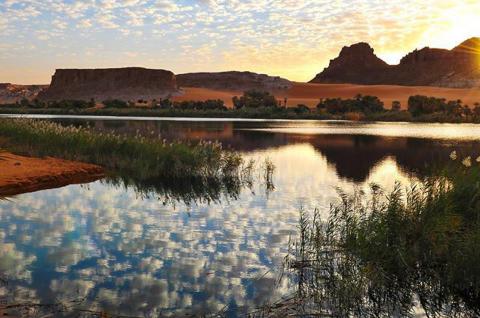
363 105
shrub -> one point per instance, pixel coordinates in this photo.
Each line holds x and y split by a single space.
255 99
396 106
362 104
301 109
422 105
114 103
67 104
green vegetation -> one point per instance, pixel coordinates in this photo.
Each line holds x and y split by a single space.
207 105
421 105
258 104
115 103
173 170
380 255
360 104
255 99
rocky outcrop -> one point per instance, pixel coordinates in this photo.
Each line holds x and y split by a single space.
357 64
13 93
234 81
130 83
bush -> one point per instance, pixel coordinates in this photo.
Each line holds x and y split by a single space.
396 106
422 105
79 104
217 104
114 103
301 109
360 104
255 99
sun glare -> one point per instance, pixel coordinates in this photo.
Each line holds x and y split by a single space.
453 28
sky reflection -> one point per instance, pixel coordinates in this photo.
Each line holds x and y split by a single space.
133 255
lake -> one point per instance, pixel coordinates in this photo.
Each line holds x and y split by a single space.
104 247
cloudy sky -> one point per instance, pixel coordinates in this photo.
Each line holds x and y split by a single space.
290 38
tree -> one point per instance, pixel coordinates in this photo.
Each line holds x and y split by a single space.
396 105
24 102
255 99
301 109
114 103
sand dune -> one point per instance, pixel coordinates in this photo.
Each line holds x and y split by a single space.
195 93
309 94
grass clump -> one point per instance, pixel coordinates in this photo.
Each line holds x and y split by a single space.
142 157
384 255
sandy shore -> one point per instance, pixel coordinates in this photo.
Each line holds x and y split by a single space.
20 174
309 94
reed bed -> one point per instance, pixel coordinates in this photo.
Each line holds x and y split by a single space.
380 254
137 156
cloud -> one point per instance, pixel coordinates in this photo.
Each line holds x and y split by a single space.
312 30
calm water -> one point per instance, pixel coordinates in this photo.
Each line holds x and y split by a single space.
117 251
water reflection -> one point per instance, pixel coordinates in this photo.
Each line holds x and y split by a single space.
353 148
130 254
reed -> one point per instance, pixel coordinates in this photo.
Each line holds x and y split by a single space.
139 156
390 254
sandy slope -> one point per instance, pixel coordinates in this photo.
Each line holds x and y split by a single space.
20 174
309 94
194 93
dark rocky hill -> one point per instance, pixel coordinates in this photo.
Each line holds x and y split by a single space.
234 81
358 64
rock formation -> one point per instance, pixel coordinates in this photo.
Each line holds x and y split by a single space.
234 81
130 83
13 93
357 64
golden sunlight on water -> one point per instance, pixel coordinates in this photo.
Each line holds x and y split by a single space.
416 130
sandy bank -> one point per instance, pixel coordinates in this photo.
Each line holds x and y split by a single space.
309 94
20 174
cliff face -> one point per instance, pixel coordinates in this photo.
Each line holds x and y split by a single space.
131 83
357 64
234 81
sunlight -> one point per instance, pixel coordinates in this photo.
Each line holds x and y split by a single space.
454 27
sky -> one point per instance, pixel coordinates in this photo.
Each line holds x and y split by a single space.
294 39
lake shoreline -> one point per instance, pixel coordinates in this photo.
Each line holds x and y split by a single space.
29 174
250 114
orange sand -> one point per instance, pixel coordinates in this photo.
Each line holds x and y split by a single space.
194 93
309 94
20 174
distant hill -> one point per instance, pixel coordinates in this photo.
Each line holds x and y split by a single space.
12 93
358 64
129 83
234 81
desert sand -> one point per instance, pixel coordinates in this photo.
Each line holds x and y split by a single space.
309 94
20 174
201 94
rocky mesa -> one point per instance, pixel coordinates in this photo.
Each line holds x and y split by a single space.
129 83
358 64
234 81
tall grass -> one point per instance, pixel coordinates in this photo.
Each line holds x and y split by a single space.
172 170
143 156
383 255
